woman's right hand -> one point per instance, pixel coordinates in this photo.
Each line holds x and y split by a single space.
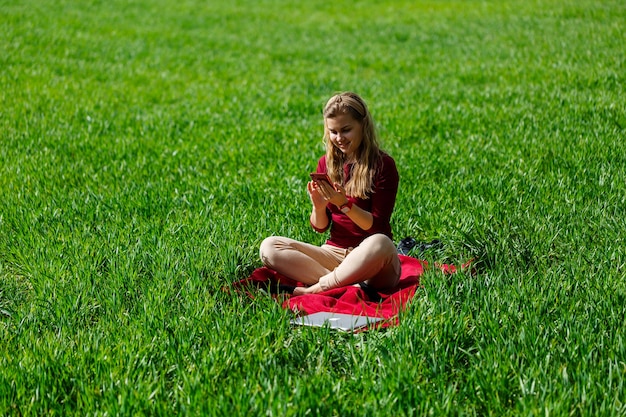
318 200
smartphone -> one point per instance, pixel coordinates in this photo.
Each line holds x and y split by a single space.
319 177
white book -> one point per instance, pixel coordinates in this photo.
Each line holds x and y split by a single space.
339 321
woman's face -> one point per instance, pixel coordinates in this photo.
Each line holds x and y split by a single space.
345 132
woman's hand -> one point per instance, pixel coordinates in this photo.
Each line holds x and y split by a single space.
318 200
323 193
319 219
334 194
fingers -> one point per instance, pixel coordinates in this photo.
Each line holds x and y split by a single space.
326 190
327 193
315 195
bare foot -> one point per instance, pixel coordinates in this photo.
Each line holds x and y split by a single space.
313 289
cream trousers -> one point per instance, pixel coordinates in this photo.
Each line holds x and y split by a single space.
375 261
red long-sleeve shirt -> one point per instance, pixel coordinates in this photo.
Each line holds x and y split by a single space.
344 232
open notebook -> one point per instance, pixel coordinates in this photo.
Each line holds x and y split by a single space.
339 321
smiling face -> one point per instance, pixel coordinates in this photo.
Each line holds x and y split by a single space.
345 133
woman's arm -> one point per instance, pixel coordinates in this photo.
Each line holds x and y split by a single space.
319 220
319 215
384 197
337 196
362 218
382 200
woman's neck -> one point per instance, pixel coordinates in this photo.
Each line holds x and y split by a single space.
349 159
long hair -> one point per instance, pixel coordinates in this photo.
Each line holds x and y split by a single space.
367 156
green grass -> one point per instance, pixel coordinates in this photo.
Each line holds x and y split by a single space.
147 147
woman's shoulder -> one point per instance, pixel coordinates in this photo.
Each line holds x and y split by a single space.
387 161
386 157
321 164
386 176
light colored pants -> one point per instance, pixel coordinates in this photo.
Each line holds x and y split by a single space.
374 261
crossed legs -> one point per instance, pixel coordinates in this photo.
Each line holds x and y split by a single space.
374 261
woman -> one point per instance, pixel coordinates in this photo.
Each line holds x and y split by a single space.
357 208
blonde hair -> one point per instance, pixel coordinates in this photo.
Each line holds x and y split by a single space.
367 156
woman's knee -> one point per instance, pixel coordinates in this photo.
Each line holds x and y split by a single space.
268 249
379 244
383 249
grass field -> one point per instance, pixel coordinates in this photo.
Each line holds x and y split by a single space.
147 147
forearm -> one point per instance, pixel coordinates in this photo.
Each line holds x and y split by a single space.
360 217
319 218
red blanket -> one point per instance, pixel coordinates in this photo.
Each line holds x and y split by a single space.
351 300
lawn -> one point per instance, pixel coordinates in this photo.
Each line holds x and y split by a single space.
148 146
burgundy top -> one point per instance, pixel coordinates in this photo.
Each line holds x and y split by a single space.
344 232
